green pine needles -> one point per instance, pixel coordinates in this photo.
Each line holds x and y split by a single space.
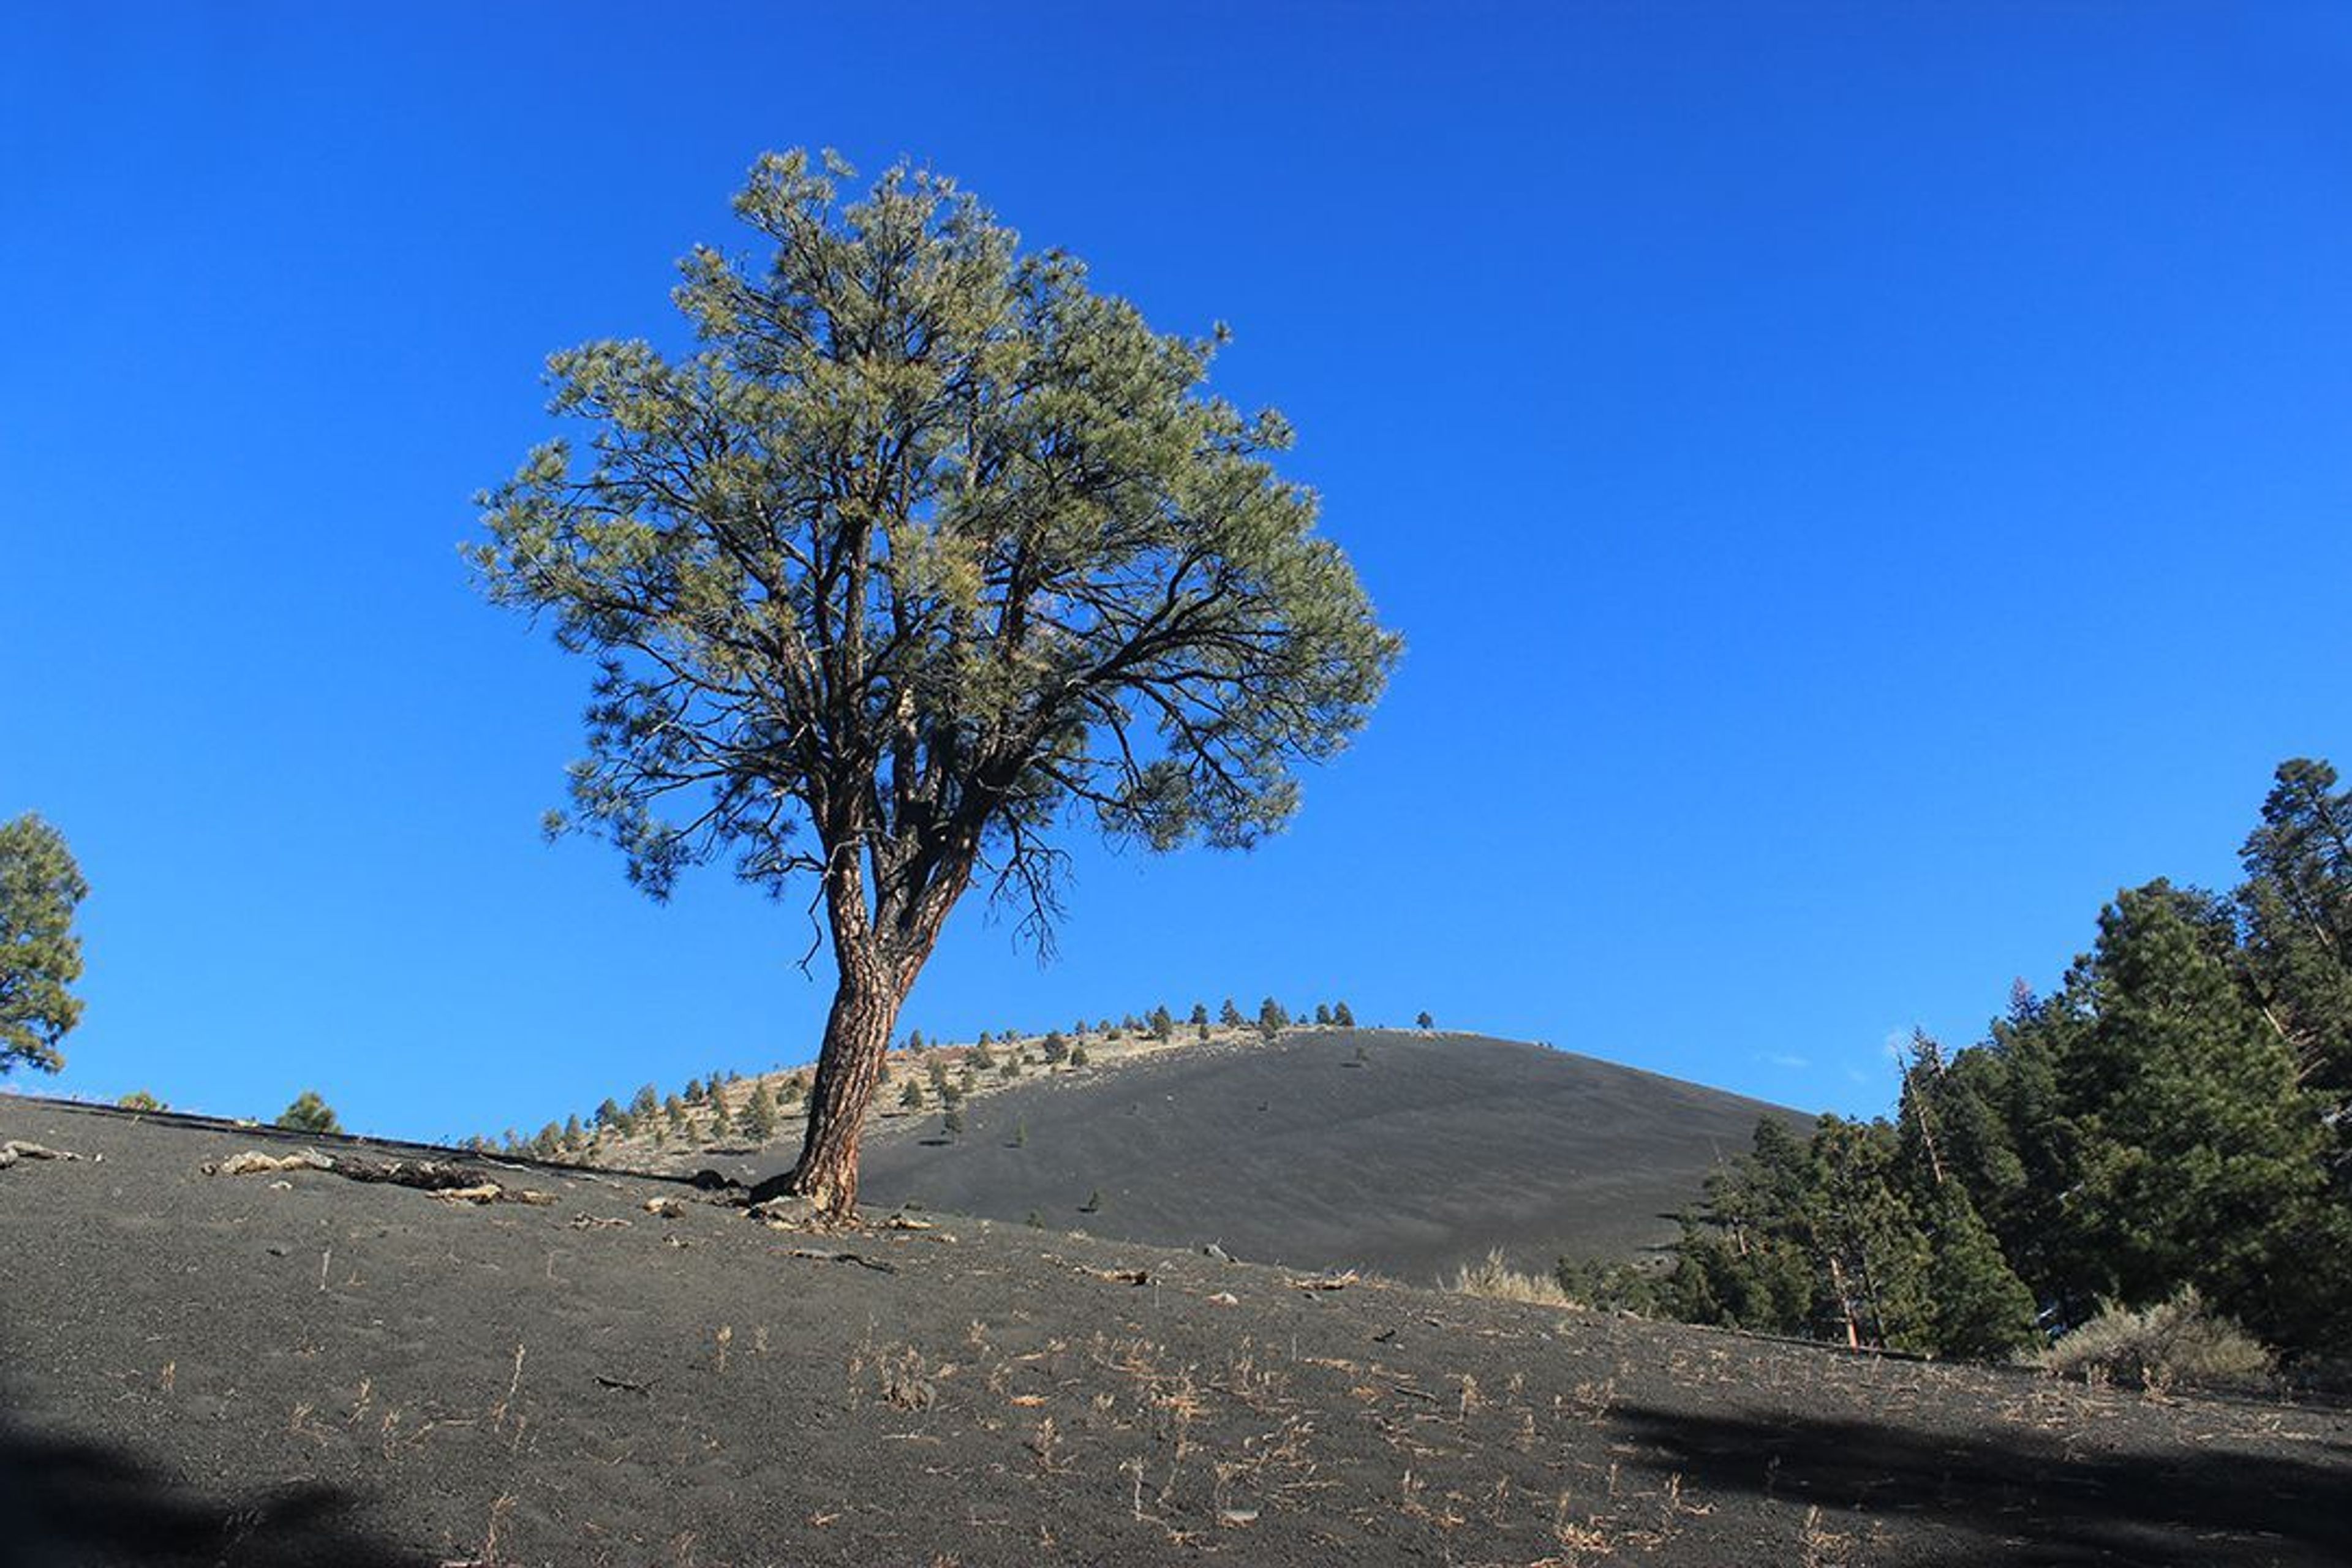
40 956
926 548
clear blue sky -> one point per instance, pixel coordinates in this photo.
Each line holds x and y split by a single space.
1861 483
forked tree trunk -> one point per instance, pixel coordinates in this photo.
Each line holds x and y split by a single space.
848 1069
877 967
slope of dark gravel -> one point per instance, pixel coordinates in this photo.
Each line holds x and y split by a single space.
1404 1153
296 1368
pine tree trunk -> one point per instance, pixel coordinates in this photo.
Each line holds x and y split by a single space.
848 1069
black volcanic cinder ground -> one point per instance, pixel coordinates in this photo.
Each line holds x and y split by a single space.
301 1369
1406 1155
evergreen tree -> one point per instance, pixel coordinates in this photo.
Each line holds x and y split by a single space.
1230 1016
757 1119
1323 1014
310 1113
609 1113
1199 1018
2297 906
1342 1015
911 1097
1057 1047
1424 1020
40 956
1077 1056
951 1119
1163 1024
2199 1153
644 1105
1976 1306
1271 1020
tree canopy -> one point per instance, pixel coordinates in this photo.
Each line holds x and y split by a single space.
2171 1118
925 548
40 956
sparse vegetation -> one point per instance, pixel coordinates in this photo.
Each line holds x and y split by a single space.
1494 1277
2180 1343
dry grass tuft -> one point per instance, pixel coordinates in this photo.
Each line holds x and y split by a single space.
1495 1279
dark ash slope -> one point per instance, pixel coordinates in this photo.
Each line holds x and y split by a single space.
1404 1153
265 1370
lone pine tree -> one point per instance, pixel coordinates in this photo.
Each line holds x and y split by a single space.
927 548
40 887
310 1113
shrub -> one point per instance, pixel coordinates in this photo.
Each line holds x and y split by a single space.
1057 1047
139 1100
1494 1278
1077 1056
911 1097
2181 1341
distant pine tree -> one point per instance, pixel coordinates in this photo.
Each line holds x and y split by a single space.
1230 1016
310 1113
1342 1015
757 1119
911 1097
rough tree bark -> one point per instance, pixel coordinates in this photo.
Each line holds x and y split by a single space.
878 953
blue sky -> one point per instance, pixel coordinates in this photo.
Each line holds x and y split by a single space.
1860 485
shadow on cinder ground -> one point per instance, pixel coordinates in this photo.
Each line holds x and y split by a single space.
72 1503
2024 1497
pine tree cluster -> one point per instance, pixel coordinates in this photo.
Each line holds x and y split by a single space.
2177 1116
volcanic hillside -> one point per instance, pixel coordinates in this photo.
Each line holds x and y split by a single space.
1400 1153
234 1347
